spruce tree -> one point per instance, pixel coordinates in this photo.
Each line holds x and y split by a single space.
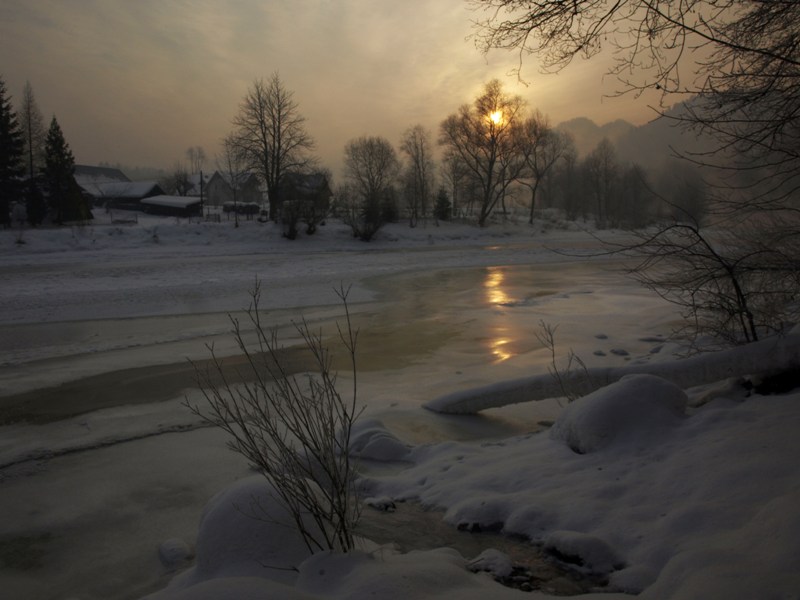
12 167
58 170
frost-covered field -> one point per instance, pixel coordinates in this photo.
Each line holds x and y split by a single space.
672 493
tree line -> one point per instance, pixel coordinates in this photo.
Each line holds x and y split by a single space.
497 156
36 167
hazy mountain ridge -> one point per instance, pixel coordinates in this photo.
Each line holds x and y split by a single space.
648 145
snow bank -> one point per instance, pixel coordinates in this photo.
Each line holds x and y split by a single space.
666 505
775 353
244 533
662 504
634 410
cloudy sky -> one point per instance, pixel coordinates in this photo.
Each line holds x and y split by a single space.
139 81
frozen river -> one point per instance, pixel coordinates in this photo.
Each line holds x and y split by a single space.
94 347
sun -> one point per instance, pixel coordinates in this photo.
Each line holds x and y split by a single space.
496 117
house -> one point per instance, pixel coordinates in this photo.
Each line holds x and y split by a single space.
217 189
172 206
123 195
196 187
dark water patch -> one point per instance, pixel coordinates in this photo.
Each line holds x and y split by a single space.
411 526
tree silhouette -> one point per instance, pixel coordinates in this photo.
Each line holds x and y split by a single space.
11 163
486 136
418 175
64 196
34 135
271 132
371 166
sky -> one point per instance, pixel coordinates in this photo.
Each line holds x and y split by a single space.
139 82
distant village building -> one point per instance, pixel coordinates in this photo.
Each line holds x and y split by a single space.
172 206
217 189
87 176
123 195
111 189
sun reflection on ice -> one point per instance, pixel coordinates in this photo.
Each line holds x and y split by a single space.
499 348
495 277
499 342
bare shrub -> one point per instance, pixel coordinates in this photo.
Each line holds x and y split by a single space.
736 286
294 429
573 380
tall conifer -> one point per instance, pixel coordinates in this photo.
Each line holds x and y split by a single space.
12 167
58 170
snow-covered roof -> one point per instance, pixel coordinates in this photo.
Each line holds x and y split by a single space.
87 174
122 189
172 201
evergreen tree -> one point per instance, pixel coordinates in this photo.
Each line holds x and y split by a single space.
442 208
12 167
33 132
59 167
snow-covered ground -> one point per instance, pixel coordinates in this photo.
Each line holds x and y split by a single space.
672 494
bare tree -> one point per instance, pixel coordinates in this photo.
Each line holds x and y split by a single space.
33 130
232 164
418 176
684 190
546 146
455 173
738 60
636 200
723 282
371 167
271 131
567 182
601 169
738 63
196 157
178 181
487 138
34 134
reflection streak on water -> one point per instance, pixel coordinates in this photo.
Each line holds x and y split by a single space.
497 296
499 348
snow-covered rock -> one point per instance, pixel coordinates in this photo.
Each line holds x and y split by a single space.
174 553
492 561
371 440
381 503
636 408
